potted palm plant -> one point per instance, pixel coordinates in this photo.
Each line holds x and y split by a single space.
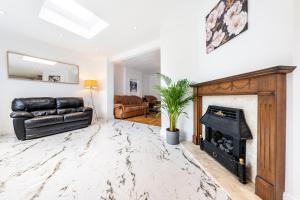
175 96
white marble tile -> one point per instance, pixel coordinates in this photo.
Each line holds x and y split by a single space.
115 161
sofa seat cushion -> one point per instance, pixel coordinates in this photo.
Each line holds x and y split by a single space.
43 112
43 121
133 108
66 111
78 116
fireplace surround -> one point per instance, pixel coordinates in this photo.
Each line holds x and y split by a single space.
270 87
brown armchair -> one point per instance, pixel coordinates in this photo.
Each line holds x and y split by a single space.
152 100
129 106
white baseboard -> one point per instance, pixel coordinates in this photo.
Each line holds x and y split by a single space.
287 196
6 132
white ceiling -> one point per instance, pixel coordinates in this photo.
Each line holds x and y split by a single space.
122 15
148 62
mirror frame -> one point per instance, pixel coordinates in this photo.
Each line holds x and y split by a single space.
25 79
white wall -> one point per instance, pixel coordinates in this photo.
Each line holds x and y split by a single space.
150 80
132 74
146 86
146 81
10 88
268 42
119 79
110 91
293 136
183 38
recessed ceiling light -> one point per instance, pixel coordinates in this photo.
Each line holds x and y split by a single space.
134 28
73 17
38 60
2 12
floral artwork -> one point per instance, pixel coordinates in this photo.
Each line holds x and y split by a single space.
228 19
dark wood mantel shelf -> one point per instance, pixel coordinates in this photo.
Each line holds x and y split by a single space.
270 86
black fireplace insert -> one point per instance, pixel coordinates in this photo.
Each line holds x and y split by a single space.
226 132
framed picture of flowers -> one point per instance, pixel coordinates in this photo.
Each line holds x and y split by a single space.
228 19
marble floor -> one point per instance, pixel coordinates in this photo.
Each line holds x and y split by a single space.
115 160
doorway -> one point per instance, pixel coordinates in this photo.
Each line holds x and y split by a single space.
135 96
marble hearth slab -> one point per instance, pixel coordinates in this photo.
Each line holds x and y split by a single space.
117 160
222 176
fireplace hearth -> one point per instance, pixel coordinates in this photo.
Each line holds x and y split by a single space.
226 132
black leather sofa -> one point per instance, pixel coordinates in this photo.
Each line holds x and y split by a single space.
38 117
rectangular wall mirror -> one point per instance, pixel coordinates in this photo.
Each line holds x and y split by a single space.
21 66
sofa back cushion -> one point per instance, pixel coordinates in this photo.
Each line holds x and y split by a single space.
128 100
33 104
118 99
69 102
134 100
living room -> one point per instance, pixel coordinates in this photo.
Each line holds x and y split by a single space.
135 80
250 77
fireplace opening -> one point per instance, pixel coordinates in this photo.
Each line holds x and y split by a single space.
226 132
223 142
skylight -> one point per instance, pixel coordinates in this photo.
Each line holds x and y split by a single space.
73 17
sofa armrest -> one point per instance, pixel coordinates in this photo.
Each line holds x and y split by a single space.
146 104
85 109
21 114
119 111
19 118
19 127
120 106
88 111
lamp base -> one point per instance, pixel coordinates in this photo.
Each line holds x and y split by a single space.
94 107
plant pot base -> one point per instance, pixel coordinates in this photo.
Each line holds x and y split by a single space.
172 137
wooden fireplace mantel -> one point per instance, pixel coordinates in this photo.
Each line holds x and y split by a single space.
270 86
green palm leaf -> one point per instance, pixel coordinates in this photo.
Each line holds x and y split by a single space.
175 96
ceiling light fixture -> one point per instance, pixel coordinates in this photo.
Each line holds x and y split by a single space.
2 12
39 60
134 27
73 17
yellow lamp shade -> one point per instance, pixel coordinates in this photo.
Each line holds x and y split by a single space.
90 84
